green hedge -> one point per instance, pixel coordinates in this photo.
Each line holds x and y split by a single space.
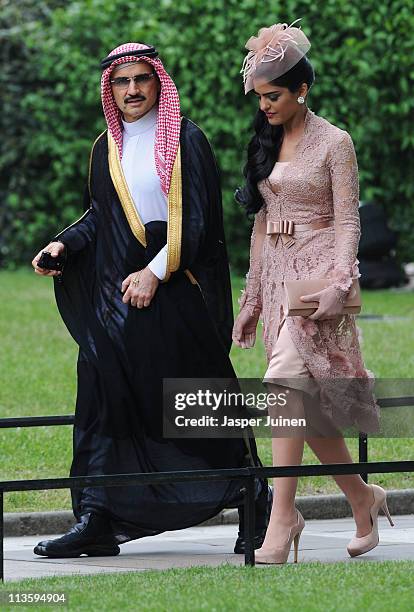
363 57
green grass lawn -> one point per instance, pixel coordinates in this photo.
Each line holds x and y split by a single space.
348 587
38 377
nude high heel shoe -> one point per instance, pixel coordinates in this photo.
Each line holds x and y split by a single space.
359 546
280 555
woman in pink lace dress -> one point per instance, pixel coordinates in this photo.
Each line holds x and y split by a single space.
303 169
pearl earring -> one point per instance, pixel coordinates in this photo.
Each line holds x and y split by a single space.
301 99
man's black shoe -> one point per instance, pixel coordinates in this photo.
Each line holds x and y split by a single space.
92 536
263 508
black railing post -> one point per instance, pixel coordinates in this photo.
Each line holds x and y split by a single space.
2 535
249 521
363 452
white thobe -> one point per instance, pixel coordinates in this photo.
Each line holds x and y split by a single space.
138 164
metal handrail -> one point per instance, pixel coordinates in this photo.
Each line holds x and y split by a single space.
69 419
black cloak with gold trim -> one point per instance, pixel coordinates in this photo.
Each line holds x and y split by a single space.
125 352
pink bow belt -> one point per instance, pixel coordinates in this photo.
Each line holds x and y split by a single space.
285 229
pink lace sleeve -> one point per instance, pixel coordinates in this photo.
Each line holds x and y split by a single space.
345 191
251 296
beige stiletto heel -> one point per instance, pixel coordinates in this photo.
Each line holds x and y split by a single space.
359 546
385 510
296 544
281 554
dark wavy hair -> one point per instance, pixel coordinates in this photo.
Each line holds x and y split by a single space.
263 149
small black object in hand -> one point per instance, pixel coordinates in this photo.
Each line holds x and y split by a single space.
47 262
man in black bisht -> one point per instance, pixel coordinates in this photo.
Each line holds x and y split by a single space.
145 293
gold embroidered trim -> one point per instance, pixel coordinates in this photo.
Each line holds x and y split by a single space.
192 278
90 162
121 187
74 223
175 215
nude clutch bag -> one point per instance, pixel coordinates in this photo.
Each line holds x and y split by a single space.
296 288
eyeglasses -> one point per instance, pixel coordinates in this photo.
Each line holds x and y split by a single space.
139 79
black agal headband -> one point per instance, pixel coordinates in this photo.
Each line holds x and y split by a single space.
149 52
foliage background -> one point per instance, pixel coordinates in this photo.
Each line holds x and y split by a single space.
362 52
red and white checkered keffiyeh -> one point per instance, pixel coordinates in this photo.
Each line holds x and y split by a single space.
167 135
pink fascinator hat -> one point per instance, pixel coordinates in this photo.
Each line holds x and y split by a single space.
273 52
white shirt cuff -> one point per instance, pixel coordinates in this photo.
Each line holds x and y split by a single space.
158 265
